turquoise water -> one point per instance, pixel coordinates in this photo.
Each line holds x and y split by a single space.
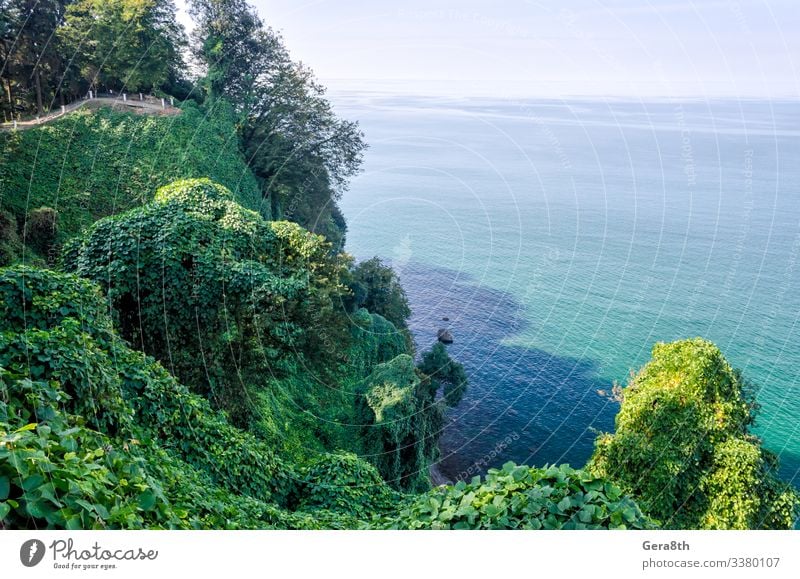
564 238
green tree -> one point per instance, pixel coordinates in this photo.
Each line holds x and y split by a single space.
223 298
400 423
437 364
303 153
233 48
130 45
376 287
30 54
682 447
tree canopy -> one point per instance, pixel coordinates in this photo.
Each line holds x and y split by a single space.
132 45
31 58
375 286
301 150
441 369
682 446
53 51
223 298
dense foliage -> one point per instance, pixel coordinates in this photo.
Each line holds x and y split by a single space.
303 154
222 297
342 482
376 287
31 59
442 370
91 164
101 432
132 45
401 413
301 151
520 497
682 447
10 243
53 51
401 422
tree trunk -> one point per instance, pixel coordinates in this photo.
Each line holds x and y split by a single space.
39 105
8 94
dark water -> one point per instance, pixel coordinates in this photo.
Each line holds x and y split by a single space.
523 404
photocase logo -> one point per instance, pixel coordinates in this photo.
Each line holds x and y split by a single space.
32 552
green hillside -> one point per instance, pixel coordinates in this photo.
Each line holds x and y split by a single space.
98 162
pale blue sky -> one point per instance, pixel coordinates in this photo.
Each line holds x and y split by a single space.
744 48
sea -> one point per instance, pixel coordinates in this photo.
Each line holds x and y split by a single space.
559 239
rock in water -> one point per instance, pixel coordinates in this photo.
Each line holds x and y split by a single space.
445 337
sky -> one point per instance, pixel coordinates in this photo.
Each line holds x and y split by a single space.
702 48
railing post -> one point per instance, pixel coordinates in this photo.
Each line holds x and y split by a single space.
172 101
15 124
141 97
124 97
63 109
163 104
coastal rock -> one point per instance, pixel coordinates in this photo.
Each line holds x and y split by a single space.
444 336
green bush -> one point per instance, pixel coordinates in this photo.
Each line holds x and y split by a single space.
226 300
682 447
56 473
520 497
78 374
344 483
376 287
441 369
401 423
375 340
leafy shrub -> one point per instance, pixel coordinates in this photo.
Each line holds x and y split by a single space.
153 423
375 341
682 447
344 483
83 370
58 474
225 299
520 497
43 335
401 423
